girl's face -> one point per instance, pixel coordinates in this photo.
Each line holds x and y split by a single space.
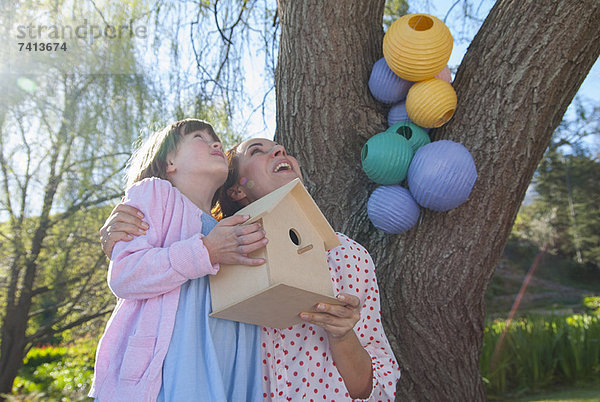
198 154
264 166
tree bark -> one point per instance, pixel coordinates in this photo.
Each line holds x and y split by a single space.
520 74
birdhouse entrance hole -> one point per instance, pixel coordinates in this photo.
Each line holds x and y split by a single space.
294 237
420 23
404 131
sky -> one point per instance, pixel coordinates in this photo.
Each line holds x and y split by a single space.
258 125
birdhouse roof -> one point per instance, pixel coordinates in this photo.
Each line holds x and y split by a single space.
261 208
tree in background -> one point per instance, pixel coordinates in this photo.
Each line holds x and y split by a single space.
519 75
65 135
62 150
567 192
67 124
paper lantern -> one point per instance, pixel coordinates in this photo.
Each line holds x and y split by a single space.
392 209
445 75
417 46
386 86
385 158
416 136
441 175
431 103
397 113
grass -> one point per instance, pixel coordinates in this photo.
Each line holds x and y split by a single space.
56 373
546 356
575 394
539 352
539 298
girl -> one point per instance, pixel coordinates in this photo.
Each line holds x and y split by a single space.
159 343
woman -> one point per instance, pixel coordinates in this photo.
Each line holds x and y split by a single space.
340 352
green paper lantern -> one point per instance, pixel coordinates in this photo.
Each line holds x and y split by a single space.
416 136
385 157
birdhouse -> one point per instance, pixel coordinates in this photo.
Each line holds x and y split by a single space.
295 276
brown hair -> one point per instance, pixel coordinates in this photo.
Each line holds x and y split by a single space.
225 206
150 159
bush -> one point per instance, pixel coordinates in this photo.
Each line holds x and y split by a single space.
536 351
592 305
57 373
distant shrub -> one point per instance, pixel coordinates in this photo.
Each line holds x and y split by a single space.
592 304
57 373
538 351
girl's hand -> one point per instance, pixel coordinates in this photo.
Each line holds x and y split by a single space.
230 243
123 223
337 320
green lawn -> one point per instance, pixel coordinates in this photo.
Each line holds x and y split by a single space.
578 394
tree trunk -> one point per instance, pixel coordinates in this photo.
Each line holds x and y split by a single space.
15 322
517 79
12 347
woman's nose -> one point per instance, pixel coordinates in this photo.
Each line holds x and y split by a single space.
278 150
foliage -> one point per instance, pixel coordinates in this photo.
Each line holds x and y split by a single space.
65 135
394 9
592 305
53 373
66 132
565 213
538 351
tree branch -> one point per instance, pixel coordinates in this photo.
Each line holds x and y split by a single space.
47 331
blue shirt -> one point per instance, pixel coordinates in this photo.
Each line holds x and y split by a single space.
210 359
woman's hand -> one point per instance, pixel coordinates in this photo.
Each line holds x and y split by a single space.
337 320
351 359
123 223
230 242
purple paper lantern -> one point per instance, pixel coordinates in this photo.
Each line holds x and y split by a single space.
386 86
392 209
397 113
441 175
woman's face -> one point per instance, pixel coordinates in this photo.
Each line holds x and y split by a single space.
264 166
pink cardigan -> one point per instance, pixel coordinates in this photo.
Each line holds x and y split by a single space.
145 274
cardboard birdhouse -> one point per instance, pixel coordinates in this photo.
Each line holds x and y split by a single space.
295 276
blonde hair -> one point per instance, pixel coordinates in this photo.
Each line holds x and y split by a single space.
150 159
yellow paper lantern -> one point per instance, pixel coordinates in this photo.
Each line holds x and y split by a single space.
431 103
417 46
